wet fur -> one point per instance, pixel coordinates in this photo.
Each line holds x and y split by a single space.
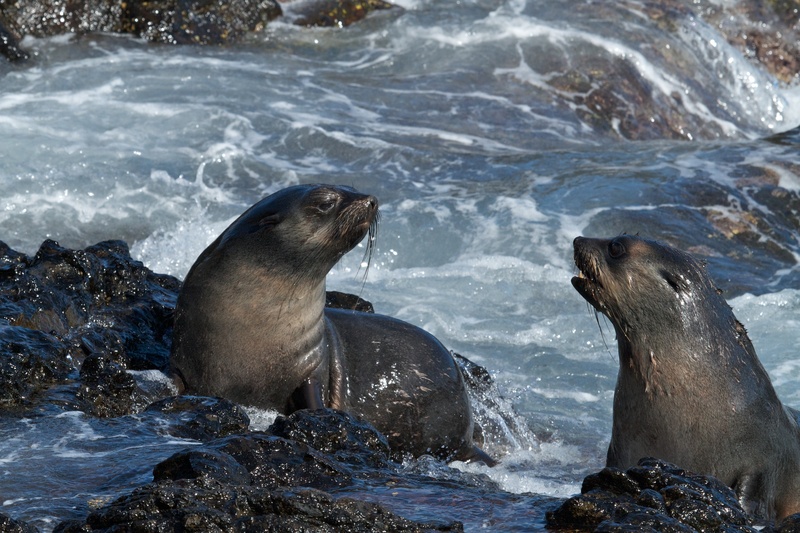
690 389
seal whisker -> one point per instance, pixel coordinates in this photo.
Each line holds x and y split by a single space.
602 334
372 235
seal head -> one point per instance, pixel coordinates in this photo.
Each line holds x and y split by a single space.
690 388
250 316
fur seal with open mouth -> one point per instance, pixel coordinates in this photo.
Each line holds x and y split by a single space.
251 326
690 388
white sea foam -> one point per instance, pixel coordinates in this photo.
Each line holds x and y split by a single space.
774 328
260 419
513 473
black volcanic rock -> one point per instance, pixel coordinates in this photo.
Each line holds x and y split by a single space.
265 482
655 496
63 309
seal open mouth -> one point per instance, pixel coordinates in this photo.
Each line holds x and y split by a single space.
587 282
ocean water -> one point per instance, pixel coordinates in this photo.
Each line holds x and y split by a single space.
486 167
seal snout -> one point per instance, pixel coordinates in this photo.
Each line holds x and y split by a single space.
371 205
362 211
586 260
357 217
586 257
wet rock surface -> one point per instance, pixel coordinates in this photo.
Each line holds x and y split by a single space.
97 308
106 388
163 21
350 439
200 417
167 21
9 525
266 481
341 300
207 506
655 496
330 12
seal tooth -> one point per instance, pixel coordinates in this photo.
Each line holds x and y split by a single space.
590 269
587 266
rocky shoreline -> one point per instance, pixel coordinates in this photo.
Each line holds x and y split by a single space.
75 321
608 93
168 21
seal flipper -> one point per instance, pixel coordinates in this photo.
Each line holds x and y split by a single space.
478 455
307 396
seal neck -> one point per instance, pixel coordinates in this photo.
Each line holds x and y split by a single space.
684 358
265 299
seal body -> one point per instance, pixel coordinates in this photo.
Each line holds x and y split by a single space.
252 326
690 388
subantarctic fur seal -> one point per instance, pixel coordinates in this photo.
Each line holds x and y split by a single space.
251 326
690 388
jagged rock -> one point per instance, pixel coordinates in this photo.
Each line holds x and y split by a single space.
9 525
272 462
62 306
30 361
192 505
106 389
349 439
200 417
197 21
166 21
331 12
342 300
654 495
263 482
790 524
9 44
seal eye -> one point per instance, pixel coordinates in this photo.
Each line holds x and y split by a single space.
326 205
616 249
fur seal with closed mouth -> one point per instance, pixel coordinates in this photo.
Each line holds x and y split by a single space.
690 388
251 326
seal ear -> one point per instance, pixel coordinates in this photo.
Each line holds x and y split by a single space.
269 221
677 282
